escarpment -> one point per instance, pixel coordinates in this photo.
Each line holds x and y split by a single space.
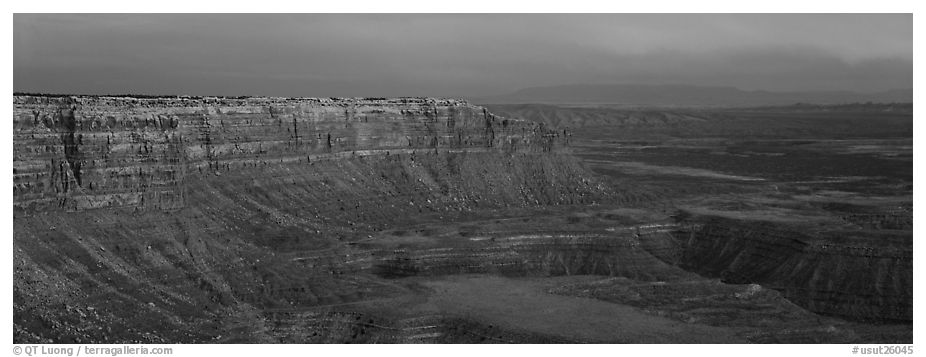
171 219
391 220
835 273
81 153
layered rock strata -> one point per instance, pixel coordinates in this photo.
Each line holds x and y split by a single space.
268 220
856 274
77 153
179 220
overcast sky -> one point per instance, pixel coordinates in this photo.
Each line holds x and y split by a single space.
454 55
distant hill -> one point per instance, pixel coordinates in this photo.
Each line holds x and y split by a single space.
684 96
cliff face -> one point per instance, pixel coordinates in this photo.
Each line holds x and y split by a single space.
838 273
81 153
176 219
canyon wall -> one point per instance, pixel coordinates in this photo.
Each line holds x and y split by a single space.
835 273
175 219
77 153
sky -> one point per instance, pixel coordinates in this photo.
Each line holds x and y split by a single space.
454 55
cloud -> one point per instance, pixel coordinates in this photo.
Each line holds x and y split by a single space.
454 55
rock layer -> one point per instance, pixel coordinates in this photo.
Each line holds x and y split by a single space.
179 220
78 153
855 274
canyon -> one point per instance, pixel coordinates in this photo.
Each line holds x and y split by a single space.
416 220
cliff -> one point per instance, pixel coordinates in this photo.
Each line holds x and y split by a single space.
835 273
77 153
181 219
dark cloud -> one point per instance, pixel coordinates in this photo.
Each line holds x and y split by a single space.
454 55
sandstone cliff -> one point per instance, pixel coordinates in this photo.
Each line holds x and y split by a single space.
76 153
182 219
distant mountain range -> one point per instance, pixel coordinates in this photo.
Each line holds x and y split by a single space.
685 95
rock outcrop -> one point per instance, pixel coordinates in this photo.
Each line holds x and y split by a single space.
77 153
834 273
181 219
